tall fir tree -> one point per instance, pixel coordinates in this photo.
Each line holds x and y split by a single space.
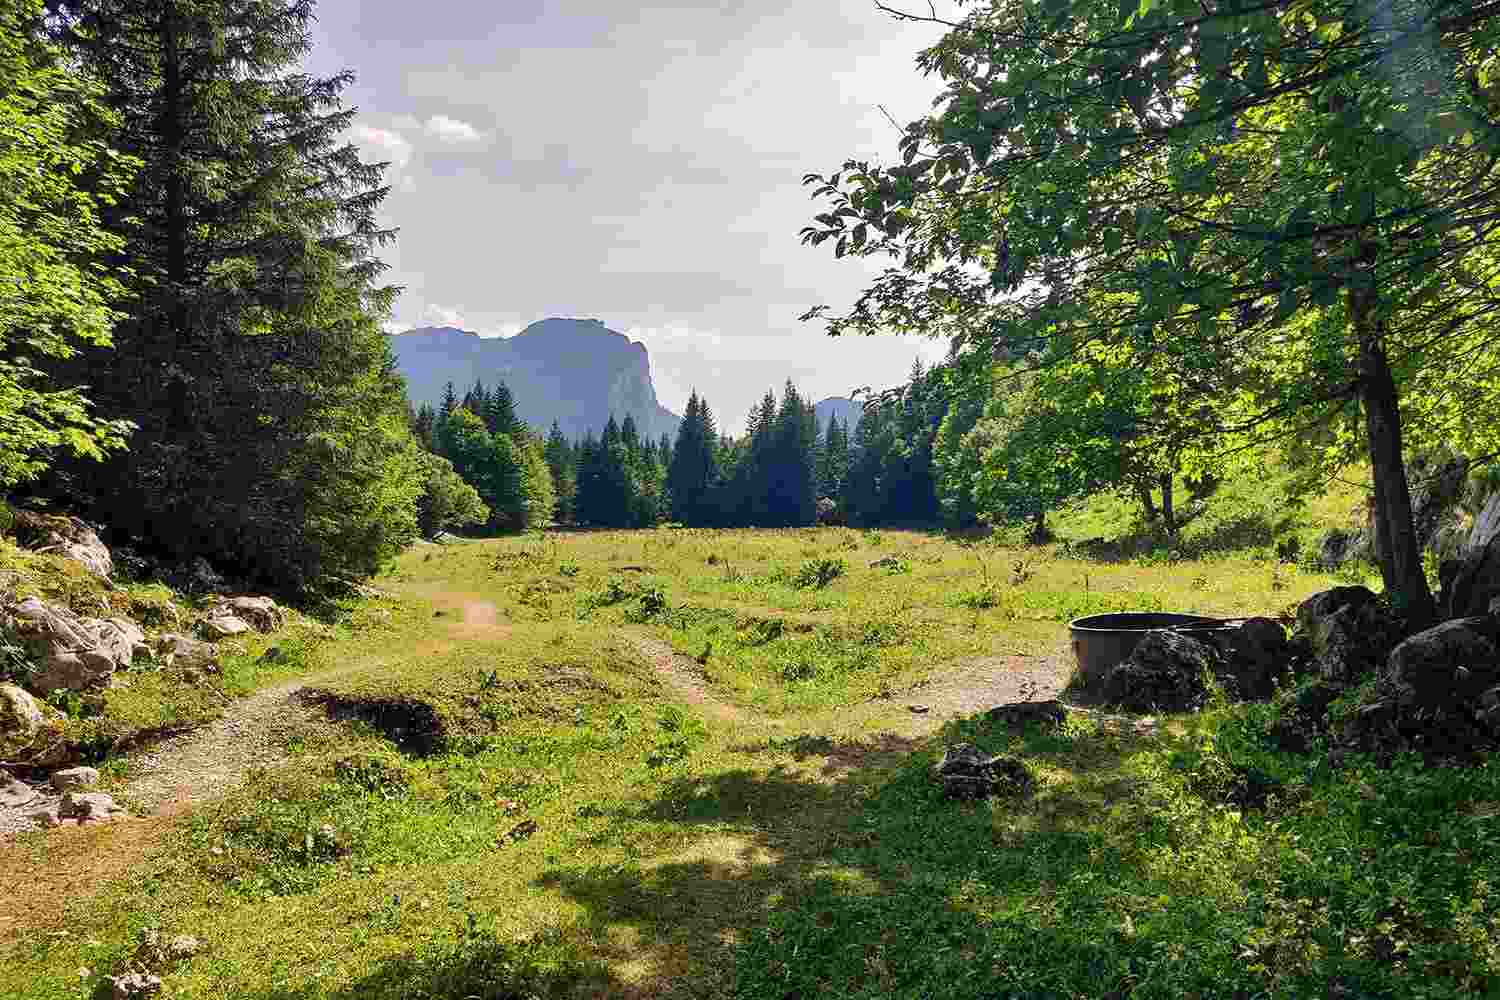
271 434
500 411
563 462
694 474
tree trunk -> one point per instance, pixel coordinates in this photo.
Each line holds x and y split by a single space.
1168 511
1148 502
1396 536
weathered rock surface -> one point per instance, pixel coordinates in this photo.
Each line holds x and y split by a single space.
15 793
67 537
26 725
70 652
134 986
86 806
1439 691
1348 631
1472 581
186 653
222 627
1167 672
828 511
966 772
261 613
1018 713
74 778
1255 654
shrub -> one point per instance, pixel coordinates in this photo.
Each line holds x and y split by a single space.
819 573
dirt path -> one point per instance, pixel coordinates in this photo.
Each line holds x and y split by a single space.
681 675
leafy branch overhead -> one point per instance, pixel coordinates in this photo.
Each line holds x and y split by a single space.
1294 203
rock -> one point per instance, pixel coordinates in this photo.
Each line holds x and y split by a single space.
86 806
157 953
966 772
1348 631
67 537
1445 666
15 793
1167 672
186 653
1021 712
261 613
1439 692
72 653
134 986
46 818
885 562
1255 654
1435 494
828 511
72 778
1472 581
26 725
223 627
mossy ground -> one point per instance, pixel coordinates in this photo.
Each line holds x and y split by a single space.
576 828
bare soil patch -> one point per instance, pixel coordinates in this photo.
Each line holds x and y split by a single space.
681 674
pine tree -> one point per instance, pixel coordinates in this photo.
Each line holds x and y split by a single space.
271 435
791 477
833 467
694 473
563 463
424 427
500 411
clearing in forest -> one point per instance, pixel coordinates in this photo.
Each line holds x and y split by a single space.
695 763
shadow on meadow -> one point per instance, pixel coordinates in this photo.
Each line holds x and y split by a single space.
866 883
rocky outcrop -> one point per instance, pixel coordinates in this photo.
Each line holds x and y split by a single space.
72 779
222 626
186 653
261 613
576 372
27 726
1348 631
69 652
67 537
1167 672
1472 580
1254 655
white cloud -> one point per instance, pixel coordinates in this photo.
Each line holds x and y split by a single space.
436 315
452 131
382 144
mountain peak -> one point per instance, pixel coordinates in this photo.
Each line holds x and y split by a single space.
574 371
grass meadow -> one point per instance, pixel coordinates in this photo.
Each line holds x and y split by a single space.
682 763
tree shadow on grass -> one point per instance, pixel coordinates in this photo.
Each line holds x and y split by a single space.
773 883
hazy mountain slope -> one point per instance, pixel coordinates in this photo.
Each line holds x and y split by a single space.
847 410
574 371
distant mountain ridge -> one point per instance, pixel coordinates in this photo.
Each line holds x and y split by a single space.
574 371
850 412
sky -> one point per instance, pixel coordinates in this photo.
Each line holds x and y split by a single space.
636 163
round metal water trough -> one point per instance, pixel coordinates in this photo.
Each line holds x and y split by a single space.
1101 641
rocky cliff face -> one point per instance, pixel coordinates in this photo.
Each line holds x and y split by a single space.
574 371
849 411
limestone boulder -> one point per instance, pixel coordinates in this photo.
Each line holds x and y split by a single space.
186 653
26 725
224 626
1255 654
67 537
1348 631
1472 580
89 806
74 779
261 613
72 653
1167 672
15 793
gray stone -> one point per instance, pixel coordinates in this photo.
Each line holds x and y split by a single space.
67 537
1447 665
134 986
15 793
1167 672
26 725
72 653
187 653
261 613
1053 713
223 627
73 778
85 806
1348 631
966 772
1255 654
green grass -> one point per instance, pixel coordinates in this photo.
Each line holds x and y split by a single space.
795 844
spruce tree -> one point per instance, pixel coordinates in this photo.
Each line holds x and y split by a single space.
500 411
694 471
562 461
271 435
